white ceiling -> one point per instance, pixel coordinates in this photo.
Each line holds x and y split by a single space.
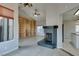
69 15
30 11
61 8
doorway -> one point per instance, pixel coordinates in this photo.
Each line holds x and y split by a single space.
70 30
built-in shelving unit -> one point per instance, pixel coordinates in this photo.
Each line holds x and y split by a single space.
27 27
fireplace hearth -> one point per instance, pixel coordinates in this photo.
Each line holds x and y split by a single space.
50 39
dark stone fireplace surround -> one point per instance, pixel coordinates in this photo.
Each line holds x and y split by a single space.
50 39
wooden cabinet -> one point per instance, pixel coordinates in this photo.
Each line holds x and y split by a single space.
27 27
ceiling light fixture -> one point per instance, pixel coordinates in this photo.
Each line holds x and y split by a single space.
36 13
77 12
27 4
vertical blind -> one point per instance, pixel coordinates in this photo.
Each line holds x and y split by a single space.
6 12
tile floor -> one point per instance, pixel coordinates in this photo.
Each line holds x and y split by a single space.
70 48
29 47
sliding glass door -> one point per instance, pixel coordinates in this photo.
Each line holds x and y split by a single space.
6 29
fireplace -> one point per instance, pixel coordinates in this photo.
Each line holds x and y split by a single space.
50 39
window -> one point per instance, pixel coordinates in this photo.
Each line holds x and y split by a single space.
77 28
6 29
40 30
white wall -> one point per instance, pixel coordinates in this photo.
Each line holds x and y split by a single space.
8 46
41 22
69 27
23 13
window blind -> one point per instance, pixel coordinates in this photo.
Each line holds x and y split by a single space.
6 12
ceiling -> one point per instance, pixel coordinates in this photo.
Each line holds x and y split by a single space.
66 8
69 15
30 11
